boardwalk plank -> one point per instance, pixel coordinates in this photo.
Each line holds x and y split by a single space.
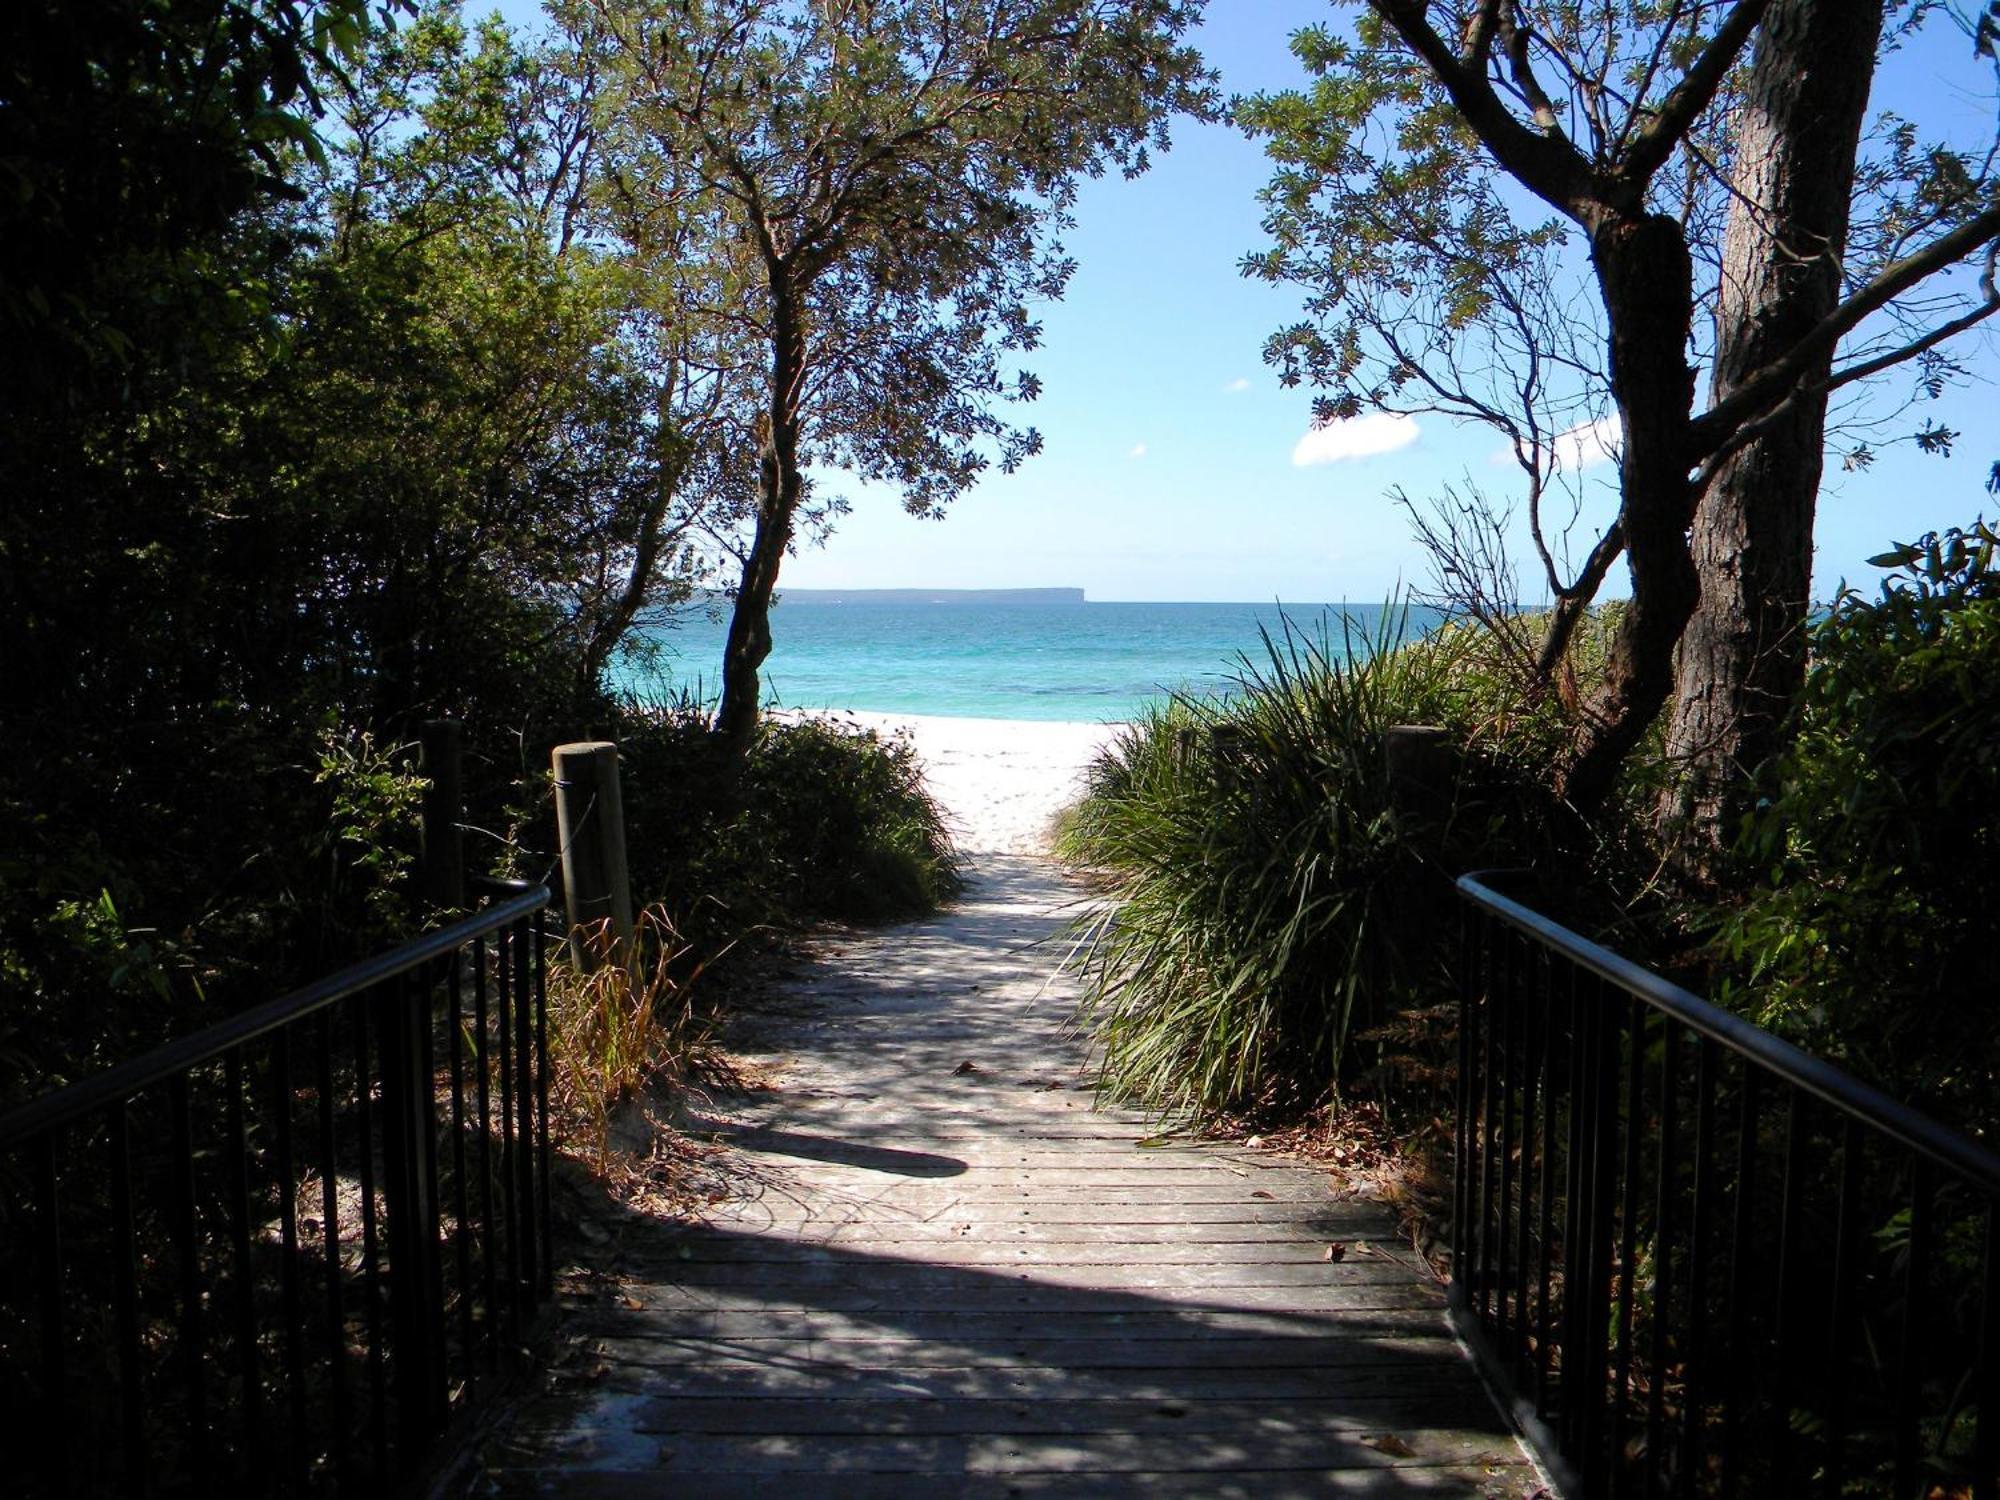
941 1280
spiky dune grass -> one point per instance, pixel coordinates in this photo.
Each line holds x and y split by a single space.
1262 905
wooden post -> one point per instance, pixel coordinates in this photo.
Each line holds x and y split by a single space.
441 869
590 825
1420 763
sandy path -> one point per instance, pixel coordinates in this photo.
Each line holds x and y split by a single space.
948 1274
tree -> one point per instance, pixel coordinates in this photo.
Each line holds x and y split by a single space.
871 194
1397 199
131 132
1796 131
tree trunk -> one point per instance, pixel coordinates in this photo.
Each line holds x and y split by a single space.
779 489
670 466
1743 657
1647 278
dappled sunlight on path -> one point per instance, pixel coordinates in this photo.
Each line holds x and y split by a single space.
947 1274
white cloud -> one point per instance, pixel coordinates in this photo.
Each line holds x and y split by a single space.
1240 383
1356 437
1588 444
1138 451
1577 448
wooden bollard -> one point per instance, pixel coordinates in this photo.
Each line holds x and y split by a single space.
1420 762
441 867
590 824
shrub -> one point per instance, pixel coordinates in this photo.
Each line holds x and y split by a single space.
1867 934
1266 904
824 821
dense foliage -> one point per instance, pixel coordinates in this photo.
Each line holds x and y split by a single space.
1272 897
331 407
1871 874
822 821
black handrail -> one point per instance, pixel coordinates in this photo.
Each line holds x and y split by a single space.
88 1095
1748 1272
223 1272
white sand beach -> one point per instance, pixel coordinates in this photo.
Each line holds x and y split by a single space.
1001 780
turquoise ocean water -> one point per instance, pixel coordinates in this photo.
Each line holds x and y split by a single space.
1078 661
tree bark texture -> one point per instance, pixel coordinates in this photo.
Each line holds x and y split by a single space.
1647 279
1742 660
780 486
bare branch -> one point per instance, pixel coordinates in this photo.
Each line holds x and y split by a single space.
1677 113
1717 425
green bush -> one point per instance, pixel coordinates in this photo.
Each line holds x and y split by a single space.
1867 934
824 822
1266 906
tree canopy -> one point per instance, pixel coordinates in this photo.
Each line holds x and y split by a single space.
1513 213
871 196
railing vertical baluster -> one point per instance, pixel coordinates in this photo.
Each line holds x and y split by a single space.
1600 1193
1909 1387
54 1332
1461 1150
1986 1388
1784 1448
461 1198
1523 1244
1742 1288
285 1168
1847 1255
246 1270
482 1075
1483 1221
1628 1237
410 1217
1546 1194
371 1268
1658 1350
1694 1443
524 1071
1575 1156
1506 1025
336 1309
187 1251
125 1303
510 1205
545 1211
423 998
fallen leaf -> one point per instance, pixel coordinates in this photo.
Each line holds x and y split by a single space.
1389 1443
968 1066
1335 1251
1259 1193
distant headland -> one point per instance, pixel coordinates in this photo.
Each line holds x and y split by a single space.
930 596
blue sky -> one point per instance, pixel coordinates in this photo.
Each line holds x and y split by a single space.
1168 470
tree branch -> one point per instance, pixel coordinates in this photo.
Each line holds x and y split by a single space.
1716 426
1693 94
1548 166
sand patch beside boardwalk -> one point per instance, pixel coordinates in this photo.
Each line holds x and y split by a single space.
1001 780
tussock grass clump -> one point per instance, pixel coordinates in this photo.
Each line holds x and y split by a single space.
1266 904
619 1024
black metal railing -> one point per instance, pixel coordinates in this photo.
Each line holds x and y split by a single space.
280 1254
1703 1261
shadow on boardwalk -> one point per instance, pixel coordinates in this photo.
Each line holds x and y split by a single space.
949 1275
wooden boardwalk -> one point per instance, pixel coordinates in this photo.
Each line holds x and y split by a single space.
949 1275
